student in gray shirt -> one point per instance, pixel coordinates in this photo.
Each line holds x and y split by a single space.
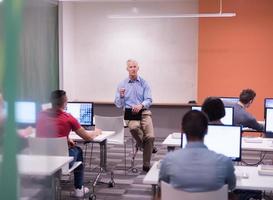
241 116
196 168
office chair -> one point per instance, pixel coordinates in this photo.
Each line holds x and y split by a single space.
52 147
115 124
168 192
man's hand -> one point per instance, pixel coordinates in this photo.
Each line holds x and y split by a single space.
137 108
71 143
96 132
122 92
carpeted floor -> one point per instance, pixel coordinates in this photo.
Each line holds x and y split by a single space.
127 186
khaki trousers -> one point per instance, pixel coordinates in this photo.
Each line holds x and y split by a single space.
143 132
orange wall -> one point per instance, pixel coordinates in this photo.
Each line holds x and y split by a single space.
236 53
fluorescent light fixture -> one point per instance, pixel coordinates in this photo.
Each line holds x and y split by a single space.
196 15
172 16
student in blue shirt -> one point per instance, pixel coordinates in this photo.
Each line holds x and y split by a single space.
196 168
134 93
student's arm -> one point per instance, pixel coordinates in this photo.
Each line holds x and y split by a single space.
251 122
163 172
231 178
88 135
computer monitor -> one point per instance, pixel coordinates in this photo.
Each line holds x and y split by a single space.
25 112
82 111
268 103
229 101
268 122
227 119
222 139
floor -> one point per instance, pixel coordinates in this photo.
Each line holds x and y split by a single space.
127 186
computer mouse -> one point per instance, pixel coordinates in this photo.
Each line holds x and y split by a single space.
245 175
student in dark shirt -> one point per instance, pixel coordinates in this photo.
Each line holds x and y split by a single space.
241 115
215 110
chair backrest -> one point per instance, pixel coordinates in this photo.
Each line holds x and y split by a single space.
169 192
49 146
112 124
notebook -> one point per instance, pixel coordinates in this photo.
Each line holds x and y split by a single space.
129 115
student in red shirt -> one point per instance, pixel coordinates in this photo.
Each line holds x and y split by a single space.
55 122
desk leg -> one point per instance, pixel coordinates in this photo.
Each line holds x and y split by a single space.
170 148
154 190
55 185
103 155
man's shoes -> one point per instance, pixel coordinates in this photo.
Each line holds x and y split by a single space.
80 192
154 150
146 168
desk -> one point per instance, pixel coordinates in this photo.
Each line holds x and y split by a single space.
41 165
266 144
101 140
253 182
171 142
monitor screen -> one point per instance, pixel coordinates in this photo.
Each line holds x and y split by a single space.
229 101
223 139
25 112
269 120
227 119
268 102
82 111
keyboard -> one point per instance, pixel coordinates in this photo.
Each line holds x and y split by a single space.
267 167
253 140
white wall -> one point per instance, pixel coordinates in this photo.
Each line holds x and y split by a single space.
67 45
96 48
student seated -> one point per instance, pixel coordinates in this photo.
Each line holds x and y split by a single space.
241 116
55 122
196 168
215 109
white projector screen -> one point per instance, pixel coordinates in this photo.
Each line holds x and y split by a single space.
95 48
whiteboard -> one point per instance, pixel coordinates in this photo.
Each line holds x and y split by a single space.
95 50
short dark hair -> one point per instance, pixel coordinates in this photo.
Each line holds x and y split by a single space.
214 108
195 123
56 98
247 95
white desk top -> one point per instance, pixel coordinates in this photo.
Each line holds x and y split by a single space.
152 176
254 180
265 144
104 135
173 142
40 164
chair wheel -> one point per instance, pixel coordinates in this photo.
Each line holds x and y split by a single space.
134 170
111 184
92 197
